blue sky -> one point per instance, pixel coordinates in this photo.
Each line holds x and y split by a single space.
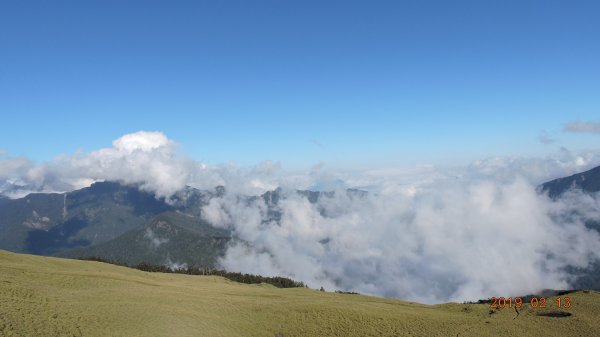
348 83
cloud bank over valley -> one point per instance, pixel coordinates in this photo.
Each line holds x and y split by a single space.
423 233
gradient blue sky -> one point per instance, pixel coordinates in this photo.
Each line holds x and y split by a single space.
350 83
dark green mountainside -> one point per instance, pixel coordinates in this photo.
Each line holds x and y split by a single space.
50 223
168 239
35 213
125 224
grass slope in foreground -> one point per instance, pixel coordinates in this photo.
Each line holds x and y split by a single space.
43 296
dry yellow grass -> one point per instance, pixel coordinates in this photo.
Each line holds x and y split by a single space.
42 296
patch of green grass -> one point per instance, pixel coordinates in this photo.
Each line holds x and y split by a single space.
43 296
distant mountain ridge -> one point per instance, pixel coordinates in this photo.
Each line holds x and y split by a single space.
49 223
588 181
125 224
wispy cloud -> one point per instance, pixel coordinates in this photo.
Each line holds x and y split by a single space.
155 241
317 143
546 138
583 127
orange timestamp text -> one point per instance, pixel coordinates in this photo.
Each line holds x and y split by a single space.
534 302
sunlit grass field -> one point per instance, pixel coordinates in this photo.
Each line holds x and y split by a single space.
42 296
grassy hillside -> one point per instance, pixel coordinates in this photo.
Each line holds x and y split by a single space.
43 296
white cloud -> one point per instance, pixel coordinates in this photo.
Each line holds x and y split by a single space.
451 240
146 158
152 160
425 232
10 166
155 241
535 170
141 141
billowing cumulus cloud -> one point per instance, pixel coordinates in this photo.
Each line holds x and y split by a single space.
141 141
423 233
146 158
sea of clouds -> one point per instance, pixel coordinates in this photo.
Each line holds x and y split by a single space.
423 233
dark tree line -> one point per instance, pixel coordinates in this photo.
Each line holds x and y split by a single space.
280 282
346 292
